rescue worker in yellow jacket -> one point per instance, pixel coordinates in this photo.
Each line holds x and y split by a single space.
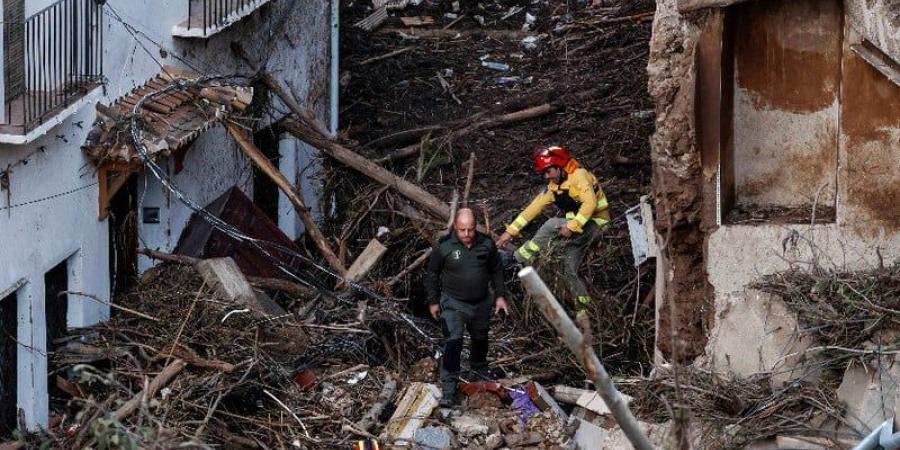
576 192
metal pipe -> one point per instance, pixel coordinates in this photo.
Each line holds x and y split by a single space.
882 437
335 66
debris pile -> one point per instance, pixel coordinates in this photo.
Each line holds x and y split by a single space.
324 364
842 309
182 363
733 412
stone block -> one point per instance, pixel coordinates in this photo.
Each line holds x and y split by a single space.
434 438
224 276
469 426
657 433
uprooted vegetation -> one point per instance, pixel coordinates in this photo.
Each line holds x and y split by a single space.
841 309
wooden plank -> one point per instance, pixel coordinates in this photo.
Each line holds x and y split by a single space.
693 5
373 21
417 21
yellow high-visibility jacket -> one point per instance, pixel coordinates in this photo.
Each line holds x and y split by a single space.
579 196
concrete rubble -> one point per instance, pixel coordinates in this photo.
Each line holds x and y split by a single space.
871 392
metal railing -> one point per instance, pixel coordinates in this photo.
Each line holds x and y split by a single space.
61 56
208 14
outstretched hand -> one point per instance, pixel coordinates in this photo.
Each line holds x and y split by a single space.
435 311
504 240
501 305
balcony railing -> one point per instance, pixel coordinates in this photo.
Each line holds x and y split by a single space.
208 17
53 59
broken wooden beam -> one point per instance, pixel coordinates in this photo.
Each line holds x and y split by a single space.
367 167
278 89
259 158
387 55
414 407
413 266
366 261
225 277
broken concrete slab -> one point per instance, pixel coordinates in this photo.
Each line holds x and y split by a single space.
544 400
584 398
434 438
755 333
415 406
592 401
567 394
872 395
588 435
224 276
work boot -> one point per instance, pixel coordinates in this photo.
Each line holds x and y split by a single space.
480 372
448 394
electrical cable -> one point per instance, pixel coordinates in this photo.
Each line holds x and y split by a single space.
260 245
49 197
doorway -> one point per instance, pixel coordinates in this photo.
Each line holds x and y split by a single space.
8 337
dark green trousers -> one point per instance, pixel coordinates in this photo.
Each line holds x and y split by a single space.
457 317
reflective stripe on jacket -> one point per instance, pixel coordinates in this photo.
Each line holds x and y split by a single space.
583 188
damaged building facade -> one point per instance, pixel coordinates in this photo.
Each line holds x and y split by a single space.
777 147
73 216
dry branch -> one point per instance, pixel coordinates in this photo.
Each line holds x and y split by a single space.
162 379
463 129
279 179
369 418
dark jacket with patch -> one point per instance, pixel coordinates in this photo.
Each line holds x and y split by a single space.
464 273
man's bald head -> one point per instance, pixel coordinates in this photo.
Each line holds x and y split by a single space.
464 225
465 216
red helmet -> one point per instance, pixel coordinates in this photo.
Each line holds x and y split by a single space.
545 157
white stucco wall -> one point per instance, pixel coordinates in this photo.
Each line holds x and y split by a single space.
36 237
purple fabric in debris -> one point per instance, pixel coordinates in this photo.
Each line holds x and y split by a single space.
522 403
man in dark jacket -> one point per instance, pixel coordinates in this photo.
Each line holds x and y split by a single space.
462 266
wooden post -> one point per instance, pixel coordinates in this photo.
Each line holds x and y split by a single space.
556 315
275 175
